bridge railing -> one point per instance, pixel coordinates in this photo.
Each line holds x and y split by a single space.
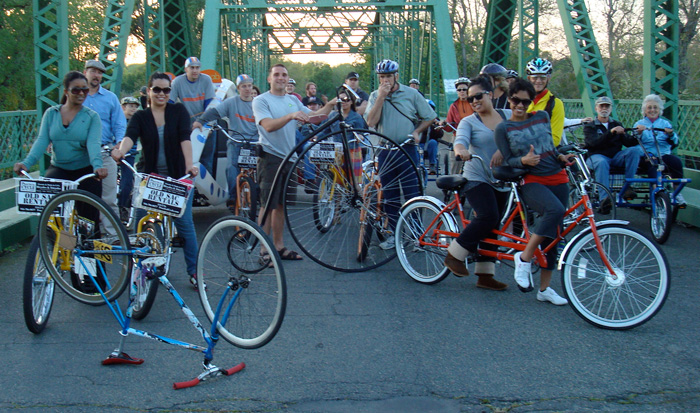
18 130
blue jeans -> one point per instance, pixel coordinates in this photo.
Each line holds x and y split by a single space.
431 151
396 174
628 158
233 149
126 183
185 230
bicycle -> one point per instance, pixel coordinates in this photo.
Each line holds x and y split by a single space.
660 193
233 279
247 190
613 276
337 247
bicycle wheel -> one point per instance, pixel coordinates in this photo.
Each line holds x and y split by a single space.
147 288
337 247
247 299
597 193
324 202
634 296
38 290
247 205
368 221
420 249
661 219
72 224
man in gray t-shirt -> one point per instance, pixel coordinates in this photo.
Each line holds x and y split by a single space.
239 112
276 115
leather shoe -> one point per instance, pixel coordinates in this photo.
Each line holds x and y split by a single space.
458 268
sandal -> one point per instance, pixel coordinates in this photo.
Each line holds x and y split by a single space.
289 255
265 259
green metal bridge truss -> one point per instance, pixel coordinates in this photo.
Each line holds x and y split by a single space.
239 36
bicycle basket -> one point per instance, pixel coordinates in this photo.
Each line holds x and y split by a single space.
31 195
163 194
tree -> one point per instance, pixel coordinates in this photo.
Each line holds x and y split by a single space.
16 52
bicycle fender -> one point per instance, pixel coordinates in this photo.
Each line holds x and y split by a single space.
451 221
584 232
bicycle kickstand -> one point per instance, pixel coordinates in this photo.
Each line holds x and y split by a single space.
210 371
119 357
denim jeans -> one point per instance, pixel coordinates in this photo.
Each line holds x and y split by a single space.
396 174
431 152
126 183
233 149
628 158
185 230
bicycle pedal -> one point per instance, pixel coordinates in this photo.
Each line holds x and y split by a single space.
177 242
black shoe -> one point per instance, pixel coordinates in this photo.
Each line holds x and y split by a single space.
629 194
124 214
605 206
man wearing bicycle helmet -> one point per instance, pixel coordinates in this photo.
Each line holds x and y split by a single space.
498 74
415 84
397 111
239 111
511 76
539 71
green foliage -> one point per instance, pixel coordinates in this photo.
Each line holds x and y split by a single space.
134 77
327 78
17 57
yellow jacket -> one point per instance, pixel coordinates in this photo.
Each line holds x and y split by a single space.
557 116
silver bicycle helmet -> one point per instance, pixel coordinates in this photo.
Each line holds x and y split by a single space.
512 74
462 81
414 81
494 69
387 67
538 66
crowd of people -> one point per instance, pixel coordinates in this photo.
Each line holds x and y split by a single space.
498 115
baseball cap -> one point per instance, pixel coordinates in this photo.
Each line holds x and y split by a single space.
603 99
96 64
352 75
129 100
313 100
192 61
292 81
243 79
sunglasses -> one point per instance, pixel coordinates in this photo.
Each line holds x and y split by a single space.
462 90
478 96
604 105
79 90
157 90
538 77
345 99
516 101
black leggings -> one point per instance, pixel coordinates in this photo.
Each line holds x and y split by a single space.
91 185
488 204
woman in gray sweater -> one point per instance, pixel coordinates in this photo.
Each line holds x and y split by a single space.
525 140
475 136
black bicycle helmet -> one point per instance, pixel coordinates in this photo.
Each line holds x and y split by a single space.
494 69
387 66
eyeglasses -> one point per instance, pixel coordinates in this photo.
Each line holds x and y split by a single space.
462 90
79 90
478 96
516 101
157 90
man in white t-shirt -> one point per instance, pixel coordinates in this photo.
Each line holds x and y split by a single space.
276 114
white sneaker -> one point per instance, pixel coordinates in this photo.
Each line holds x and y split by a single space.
551 296
522 272
680 200
388 243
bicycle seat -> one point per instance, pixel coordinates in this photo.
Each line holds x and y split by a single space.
451 182
507 173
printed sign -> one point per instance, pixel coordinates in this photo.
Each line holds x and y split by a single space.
325 152
101 246
33 195
248 158
164 195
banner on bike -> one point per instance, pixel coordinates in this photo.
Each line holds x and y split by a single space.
31 195
163 194
248 158
326 153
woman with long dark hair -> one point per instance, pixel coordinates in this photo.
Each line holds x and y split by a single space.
164 131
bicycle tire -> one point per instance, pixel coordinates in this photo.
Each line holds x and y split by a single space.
78 231
423 263
597 192
337 248
258 298
37 290
146 289
370 195
635 297
324 202
247 205
661 217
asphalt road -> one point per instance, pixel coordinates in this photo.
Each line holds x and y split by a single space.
367 342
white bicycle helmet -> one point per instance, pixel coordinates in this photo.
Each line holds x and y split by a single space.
462 81
512 74
387 67
414 81
538 66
